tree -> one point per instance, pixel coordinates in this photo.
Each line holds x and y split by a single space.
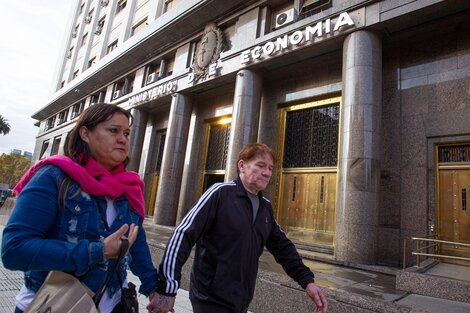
4 126
12 167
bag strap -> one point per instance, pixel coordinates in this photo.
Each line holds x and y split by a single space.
122 252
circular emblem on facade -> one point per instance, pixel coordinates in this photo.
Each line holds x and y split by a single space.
208 50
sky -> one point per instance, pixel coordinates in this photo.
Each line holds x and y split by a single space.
32 33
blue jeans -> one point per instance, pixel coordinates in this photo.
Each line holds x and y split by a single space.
18 310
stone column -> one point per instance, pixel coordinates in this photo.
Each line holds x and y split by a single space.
359 155
139 123
245 117
166 203
267 130
192 167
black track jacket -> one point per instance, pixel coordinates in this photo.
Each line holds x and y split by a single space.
228 246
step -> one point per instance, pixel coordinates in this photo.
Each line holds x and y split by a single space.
421 303
444 281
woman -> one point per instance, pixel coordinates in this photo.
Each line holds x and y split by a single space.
73 210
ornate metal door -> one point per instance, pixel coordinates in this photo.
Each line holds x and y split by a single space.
217 140
454 189
152 196
308 179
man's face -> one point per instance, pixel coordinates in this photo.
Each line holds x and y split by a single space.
256 173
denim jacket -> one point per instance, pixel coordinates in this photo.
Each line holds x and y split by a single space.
41 236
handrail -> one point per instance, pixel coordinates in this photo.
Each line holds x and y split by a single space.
442 241
435 244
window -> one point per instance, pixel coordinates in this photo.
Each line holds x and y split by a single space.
44 147
169 67
94 99
159 69
63 115
75 74
91 62
139 26
77 108
153 72
98 97
89 16
169 4
162 136
310 7
311 137
217 149
75 31
62 84
112 46
192 53
69 53
123 86
100 26
81 8
84 38
454 154
50 122
121 5
56 145
218 145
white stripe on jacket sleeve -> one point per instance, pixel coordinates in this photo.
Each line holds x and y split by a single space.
174 244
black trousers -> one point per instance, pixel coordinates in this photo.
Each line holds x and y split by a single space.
208 307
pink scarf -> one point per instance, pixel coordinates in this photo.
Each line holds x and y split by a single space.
95 180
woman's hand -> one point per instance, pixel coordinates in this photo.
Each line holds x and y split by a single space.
112 243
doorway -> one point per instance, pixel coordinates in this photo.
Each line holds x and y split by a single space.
453 210
161 137
217 136
308 173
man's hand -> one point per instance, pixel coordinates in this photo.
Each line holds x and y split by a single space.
160 304
318 297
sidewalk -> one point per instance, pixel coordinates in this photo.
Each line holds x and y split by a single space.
348 289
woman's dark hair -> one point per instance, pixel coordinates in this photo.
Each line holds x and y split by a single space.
90 118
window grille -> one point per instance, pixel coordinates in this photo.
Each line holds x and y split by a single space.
160 152
311 137
453 154
218 146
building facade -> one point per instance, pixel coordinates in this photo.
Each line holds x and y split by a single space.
365 102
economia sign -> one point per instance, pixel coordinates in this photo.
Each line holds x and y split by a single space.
298 38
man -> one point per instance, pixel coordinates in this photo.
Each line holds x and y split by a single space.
230 225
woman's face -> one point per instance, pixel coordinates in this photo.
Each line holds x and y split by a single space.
108 141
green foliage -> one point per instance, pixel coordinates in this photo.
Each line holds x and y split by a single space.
4 126
12 167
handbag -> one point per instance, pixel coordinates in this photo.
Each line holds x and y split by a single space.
129 302
62 292
65 293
